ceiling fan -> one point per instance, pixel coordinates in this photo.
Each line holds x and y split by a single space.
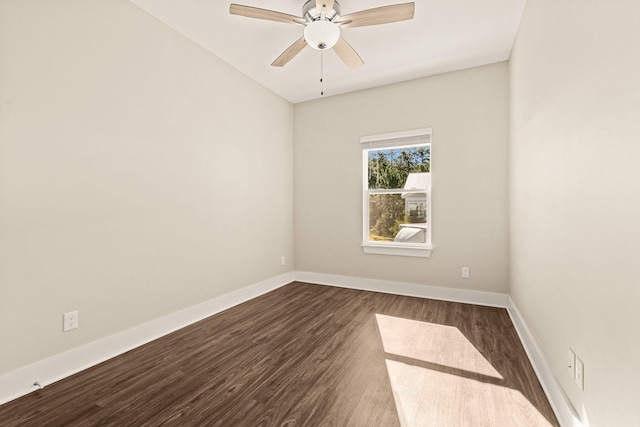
322 23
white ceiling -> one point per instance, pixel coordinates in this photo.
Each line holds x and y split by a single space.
445 35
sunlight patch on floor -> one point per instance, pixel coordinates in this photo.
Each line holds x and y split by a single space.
433 343
425 397
451 393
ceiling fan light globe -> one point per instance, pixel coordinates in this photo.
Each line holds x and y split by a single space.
321 34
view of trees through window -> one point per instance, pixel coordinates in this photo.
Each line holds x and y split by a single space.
389 169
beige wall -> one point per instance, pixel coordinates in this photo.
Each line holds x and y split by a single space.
139 174
468 111
575 205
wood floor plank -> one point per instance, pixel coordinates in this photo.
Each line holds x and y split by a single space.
310 355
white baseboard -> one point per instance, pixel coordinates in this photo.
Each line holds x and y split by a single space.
558 400
20 382
491 299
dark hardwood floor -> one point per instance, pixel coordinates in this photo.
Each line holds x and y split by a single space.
310 355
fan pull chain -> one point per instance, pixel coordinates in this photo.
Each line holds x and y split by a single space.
321 75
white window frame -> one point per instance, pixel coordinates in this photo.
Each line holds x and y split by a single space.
393 140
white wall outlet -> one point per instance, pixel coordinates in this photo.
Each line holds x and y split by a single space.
465 272
571 363
70 321
282 260
579 373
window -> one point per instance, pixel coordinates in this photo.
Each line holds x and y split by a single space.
417 212
397 193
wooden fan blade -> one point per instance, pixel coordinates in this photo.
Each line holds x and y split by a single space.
269 15
379 15
348 55
327 3
289 53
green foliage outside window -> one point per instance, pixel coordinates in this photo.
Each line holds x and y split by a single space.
390 168
386 213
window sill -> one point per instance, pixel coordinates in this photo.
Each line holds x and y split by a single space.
423 252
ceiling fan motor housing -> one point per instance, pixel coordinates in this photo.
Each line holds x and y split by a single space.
311 13
320 32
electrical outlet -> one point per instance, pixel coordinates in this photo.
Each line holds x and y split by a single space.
70 321
579 373
465 272
282 260
571 363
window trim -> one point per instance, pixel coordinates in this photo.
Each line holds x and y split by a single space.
392 140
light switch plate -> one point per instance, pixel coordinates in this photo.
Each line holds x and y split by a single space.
571 363
579 373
